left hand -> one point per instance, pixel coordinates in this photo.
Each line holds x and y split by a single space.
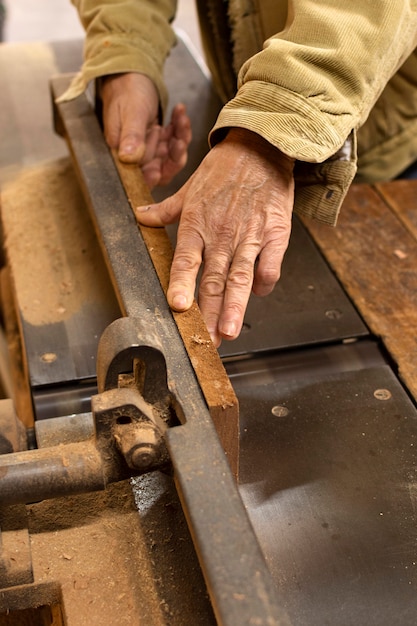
130 119
235 217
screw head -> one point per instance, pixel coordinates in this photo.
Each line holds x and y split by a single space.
382 394
143 456
279 411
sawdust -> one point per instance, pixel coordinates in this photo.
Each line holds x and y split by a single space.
92 546
50 242
117 564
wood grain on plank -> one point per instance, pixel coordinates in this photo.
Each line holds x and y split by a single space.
401 197
211 375
375 257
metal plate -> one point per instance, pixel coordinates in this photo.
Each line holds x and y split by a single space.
26 120
328 473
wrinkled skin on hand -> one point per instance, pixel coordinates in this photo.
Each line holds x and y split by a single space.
234 220
130 119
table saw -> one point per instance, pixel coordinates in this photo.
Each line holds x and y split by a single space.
133 490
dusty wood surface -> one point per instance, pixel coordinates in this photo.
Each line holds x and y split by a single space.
211 375
401 197
49 243
373 251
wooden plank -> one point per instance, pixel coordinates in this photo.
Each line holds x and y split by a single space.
211 375
401 197
375 257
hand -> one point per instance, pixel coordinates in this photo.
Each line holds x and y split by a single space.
130 118
235 218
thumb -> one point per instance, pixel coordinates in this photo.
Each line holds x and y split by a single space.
124 134
162 213
131 146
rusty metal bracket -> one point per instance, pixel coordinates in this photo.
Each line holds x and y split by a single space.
122 437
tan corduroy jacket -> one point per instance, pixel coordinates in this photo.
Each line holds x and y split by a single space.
309 74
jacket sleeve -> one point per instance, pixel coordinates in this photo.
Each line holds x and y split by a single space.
313 85
124 36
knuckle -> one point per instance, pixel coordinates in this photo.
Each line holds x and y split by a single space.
268 276
241 274
185 262
235 308
212 285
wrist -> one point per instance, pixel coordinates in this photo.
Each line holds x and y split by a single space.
254 142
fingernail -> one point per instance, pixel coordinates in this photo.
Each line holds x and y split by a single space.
143 209
179 302
214 336
228 329
127 148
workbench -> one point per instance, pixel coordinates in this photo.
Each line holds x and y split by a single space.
325 375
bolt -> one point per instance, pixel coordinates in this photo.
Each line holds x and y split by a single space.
49 357
139 443
382 394
333 314
143 456
279 411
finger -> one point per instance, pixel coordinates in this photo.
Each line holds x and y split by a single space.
132 146
237 291
151 143
112 128
184 269
268 267
212 288
152 173
177 159
178 150
181 124
136 145
162 213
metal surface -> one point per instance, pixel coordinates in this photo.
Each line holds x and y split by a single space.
25 70
45 473
65 352
328 475
232 563
65 399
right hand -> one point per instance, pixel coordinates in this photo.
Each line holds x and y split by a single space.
130 118
234 218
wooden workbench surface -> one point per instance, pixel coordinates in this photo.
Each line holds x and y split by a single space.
373 251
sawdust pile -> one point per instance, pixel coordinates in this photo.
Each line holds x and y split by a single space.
50 242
